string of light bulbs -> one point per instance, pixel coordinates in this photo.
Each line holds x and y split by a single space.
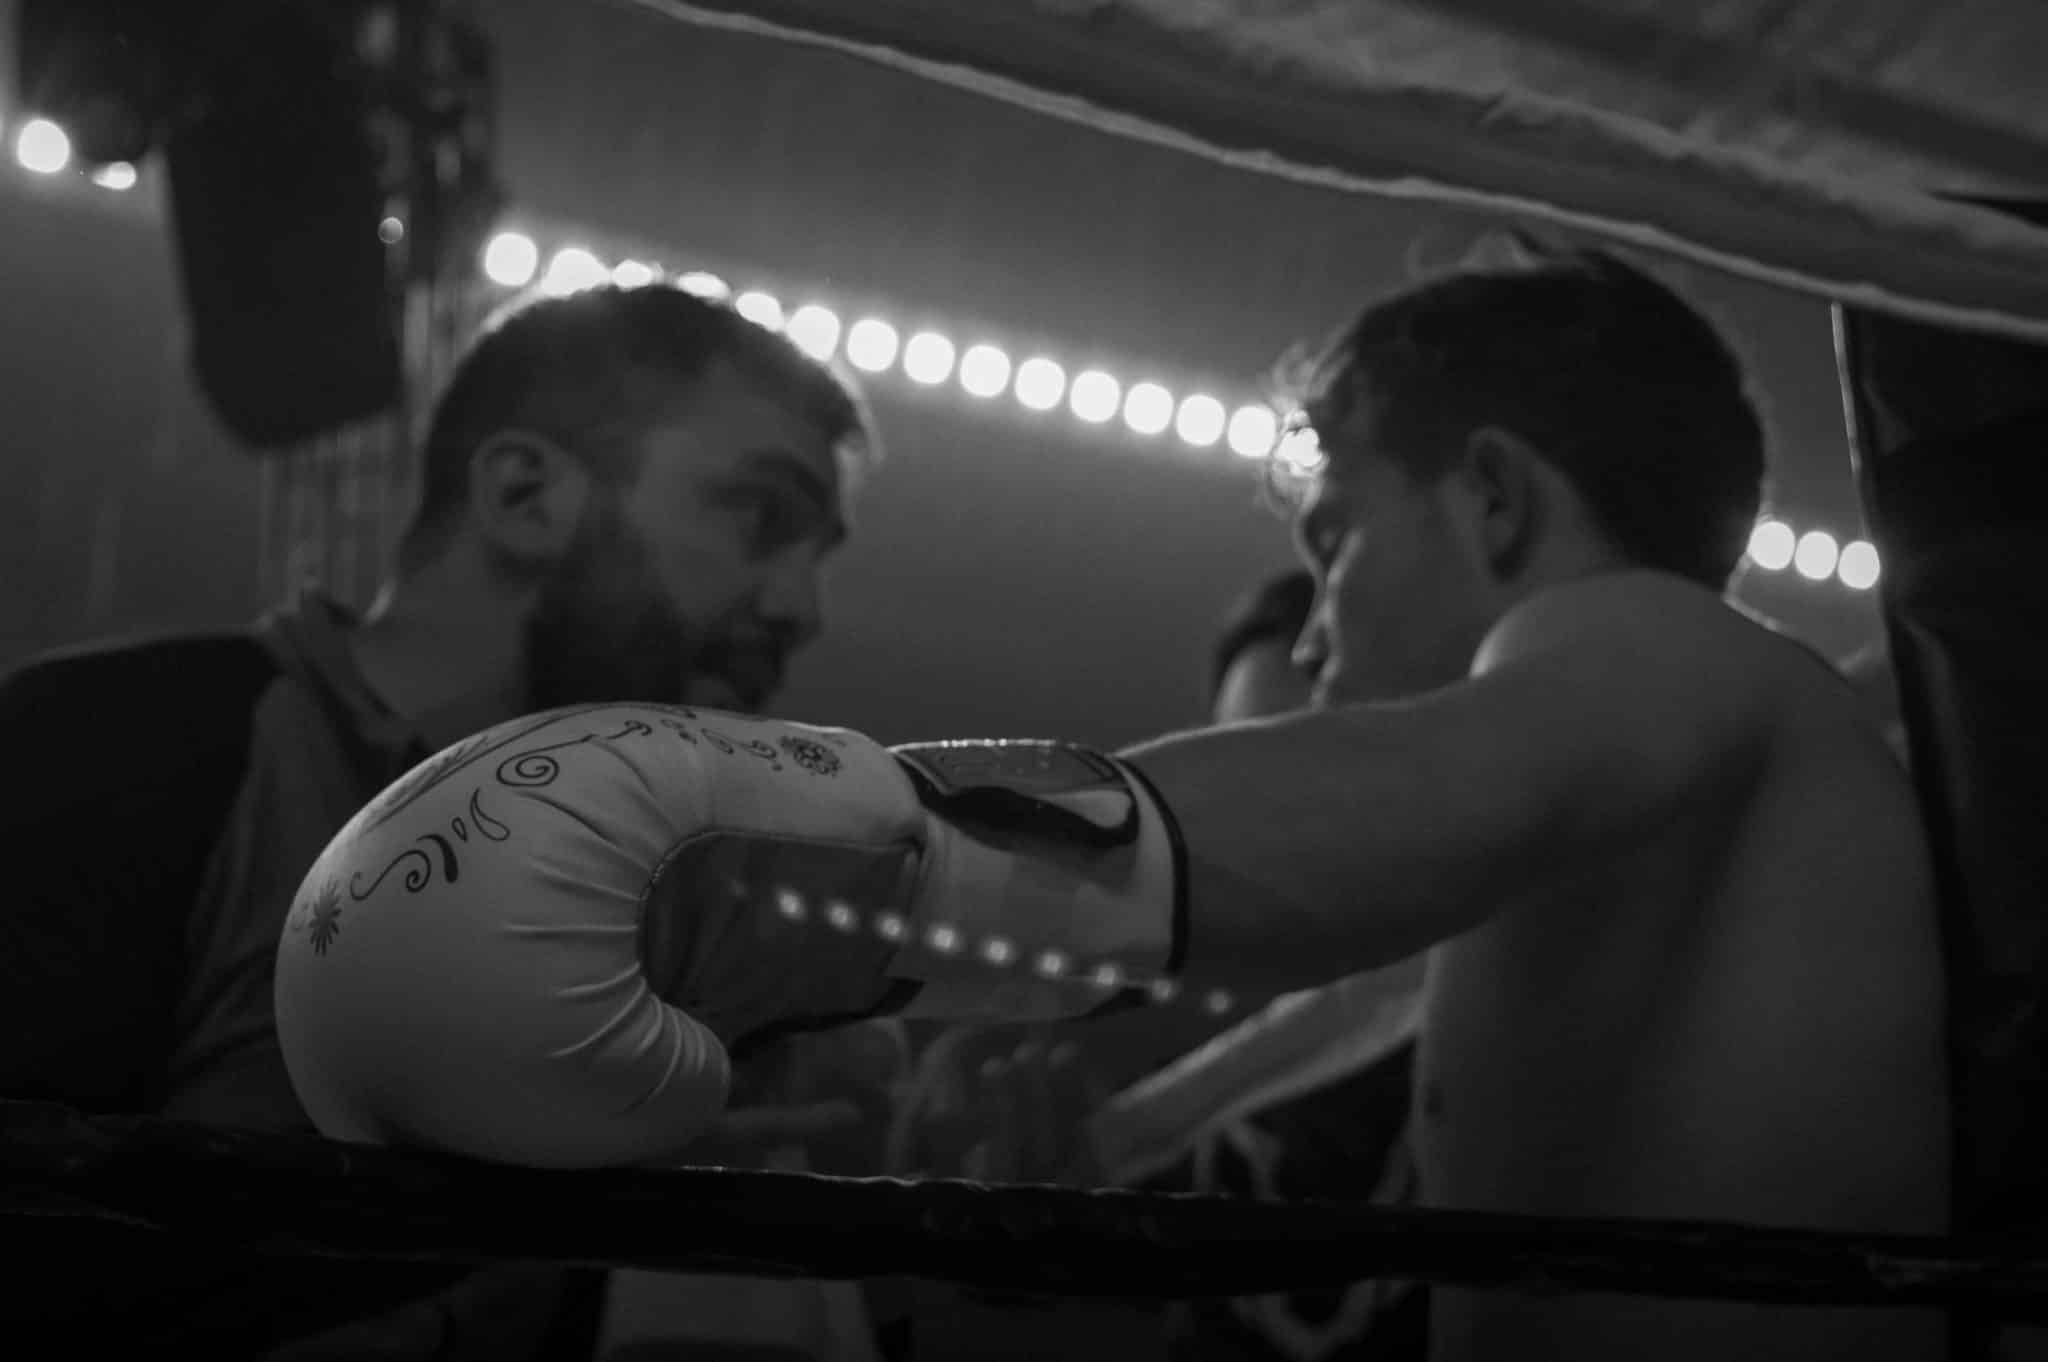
1250 430
43 148
1814 554
927 358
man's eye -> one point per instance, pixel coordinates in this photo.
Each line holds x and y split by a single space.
771 521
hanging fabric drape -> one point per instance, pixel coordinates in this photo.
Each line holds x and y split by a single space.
1825 147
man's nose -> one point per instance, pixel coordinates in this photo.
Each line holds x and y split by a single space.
794 597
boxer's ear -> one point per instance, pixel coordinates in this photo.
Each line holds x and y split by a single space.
1500 474
527 495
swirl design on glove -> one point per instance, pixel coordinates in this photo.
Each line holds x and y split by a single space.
433 771
733 747
536 768
532 769
419 868
486 826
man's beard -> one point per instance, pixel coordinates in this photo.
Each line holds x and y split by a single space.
602 631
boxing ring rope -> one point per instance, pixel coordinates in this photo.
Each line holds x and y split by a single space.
303 1196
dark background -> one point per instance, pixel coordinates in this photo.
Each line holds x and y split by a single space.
1012 573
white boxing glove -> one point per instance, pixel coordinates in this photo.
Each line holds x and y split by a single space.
538 946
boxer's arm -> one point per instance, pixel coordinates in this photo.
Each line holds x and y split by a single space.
1333 842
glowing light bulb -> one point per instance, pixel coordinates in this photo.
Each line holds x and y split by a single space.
1217 1003
1771 545
632 274
984 370
891 926
815 330
1040 384
42 146
115 175
1107 975
1200 420
704 284
997 951
572 270
1300 450
391 231
1815 557
1052 964
1252 431
510 259
1859 566
790 905
1148 408
842 916
928 358
1163 990
943 939
762 309
1095 396
871 345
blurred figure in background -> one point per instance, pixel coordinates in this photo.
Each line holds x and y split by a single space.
1305 1097
1014 1103
1251 674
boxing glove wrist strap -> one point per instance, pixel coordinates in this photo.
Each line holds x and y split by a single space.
1053 881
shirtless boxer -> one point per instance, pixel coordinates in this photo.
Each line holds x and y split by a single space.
1684 959
1683 953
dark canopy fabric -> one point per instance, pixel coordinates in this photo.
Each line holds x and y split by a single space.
1829 146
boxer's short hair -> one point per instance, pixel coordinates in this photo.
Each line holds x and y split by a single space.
1276 611
1618 382
592 370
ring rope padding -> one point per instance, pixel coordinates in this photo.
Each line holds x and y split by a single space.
301 1195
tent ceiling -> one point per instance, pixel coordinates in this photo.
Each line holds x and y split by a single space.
1822 145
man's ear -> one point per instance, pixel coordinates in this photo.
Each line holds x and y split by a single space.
1501 476
527 496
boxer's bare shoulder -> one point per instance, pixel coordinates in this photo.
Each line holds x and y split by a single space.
1737 1015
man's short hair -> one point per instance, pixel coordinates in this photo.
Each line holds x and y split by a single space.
591 370
1617 382
1276 611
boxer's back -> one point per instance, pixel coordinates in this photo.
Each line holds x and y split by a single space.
1741 1020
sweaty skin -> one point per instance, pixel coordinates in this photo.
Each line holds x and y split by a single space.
1682 948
